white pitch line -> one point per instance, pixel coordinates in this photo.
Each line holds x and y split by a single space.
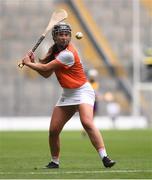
80 172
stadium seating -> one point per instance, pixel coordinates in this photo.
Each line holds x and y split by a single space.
23 93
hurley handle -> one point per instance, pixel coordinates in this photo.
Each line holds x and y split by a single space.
20 65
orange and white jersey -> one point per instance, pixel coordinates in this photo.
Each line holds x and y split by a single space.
71 74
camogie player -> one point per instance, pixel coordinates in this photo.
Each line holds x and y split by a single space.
78 95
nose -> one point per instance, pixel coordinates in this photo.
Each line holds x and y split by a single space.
64 36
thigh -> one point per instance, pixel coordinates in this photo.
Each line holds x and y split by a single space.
61 114
86 114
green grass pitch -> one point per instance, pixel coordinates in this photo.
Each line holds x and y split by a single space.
24 154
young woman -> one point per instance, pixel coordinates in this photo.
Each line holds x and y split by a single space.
78 95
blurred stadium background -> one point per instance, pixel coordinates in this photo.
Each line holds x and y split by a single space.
117 43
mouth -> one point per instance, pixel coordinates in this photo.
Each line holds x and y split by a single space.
64 42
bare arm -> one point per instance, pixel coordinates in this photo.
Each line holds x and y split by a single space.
42 73
45 74
45 70
29 61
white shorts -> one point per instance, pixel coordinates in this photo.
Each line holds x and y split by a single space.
84 94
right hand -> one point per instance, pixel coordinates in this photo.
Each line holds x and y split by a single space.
26 60
31 55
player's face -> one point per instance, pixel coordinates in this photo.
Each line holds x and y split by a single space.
62 39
